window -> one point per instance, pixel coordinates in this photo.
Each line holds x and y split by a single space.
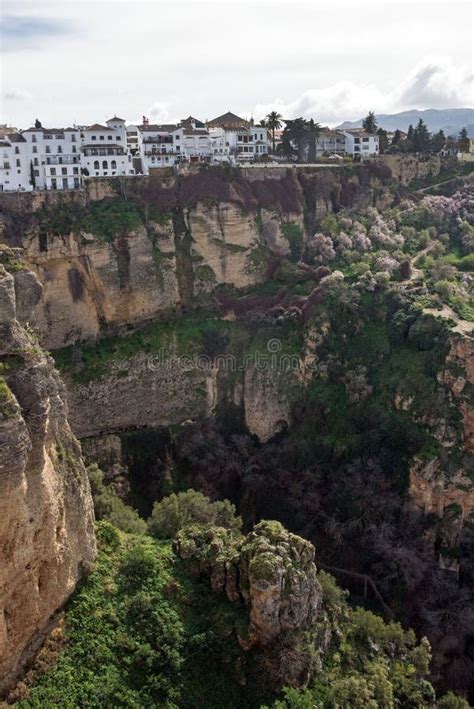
104 165
36 173
113 165
96 165
101 137
53 170
75 170
17 150
60 149
35 148
118 138
109 137
76 182
53 184
48 149
93 137
64 183
18 163
74 149
60 161
33 138
35 161
48 161
64 170
73 138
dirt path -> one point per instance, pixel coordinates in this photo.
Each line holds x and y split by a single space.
462 326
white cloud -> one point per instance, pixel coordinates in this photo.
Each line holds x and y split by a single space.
434 83
17 95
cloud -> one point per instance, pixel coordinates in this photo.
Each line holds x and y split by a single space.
21 32
432 84
17 95
437 84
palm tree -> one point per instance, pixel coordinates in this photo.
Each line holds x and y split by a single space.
295 133
273 123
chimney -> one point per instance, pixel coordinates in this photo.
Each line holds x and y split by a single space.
145 120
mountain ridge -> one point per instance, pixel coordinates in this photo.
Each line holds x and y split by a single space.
450 120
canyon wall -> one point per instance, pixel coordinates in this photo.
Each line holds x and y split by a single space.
46 514
122 252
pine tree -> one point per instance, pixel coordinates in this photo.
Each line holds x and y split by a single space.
463 142
369 124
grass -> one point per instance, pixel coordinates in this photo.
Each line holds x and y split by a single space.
7 401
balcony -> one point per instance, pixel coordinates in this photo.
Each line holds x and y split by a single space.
62 160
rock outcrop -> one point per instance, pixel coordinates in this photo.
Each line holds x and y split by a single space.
46 512
271 570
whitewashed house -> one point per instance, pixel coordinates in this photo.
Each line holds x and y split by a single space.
104 151
159 148
245 141
14 164
361 144
54 157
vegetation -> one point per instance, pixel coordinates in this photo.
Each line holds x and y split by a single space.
141 632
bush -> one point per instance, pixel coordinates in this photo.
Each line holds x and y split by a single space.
138 565
190 507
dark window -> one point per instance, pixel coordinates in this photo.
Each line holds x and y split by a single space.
113 165
96 165
53 170
65 183
104 165
64 170
93 137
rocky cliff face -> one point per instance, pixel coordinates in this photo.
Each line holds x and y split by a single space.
46 512
158 244
270 570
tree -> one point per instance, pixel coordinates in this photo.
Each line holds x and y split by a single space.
32 175
313 129
383 140
273 123
296 133
438 141
421 137
38 123
369 124
409 141
191 507
463 142
397 137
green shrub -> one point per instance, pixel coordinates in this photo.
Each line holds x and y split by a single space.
190 507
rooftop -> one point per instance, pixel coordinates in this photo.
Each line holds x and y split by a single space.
228 120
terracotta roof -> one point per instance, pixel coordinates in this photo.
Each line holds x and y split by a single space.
196 131
228 120
164 128
190 120
15 137
97 126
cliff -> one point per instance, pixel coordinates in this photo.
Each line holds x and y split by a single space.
46 513
121 253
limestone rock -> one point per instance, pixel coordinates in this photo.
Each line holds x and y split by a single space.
46 511
271 570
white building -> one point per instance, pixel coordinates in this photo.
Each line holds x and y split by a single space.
14 163
158 146
104 151
245 141
54 157
361 144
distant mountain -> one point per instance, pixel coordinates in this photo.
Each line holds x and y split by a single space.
450 120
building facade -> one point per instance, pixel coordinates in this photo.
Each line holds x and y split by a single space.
360 144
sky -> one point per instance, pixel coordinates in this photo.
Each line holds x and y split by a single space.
75 61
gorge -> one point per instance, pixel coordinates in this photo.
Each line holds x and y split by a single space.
296 341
